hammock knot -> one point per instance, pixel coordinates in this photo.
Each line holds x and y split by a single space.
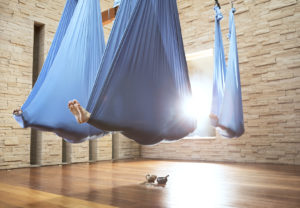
233 10
219 15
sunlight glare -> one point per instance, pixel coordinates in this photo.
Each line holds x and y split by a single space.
198 106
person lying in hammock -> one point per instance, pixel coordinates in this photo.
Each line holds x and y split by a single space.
81 115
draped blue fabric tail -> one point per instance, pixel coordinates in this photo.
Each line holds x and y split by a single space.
227 108
219 70
69 72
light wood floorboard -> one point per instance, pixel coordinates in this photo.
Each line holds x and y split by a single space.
122 184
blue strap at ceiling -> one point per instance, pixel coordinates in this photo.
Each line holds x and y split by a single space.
117 3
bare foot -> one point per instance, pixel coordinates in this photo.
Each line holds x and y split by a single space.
17 112
81 115
72 108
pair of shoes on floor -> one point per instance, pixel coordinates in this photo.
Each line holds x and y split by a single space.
160 180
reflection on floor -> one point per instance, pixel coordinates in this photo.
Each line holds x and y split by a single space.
122 184
16 196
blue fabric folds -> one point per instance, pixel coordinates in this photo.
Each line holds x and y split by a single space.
69 72
143 77
136 86
227 108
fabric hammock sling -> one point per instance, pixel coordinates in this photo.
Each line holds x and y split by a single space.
227 108
135 86
68 72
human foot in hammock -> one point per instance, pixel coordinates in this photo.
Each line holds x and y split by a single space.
81 115
17 112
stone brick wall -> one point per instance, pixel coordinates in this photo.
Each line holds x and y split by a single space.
104 148
124 148
16 57
17 19
51 149
269 50
268 34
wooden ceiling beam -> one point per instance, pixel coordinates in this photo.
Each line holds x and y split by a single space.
109 15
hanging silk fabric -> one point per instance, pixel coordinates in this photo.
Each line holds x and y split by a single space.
227 109
138 88
143 77
68 72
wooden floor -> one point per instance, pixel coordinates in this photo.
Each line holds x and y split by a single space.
121 184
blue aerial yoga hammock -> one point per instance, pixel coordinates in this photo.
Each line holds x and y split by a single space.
227 108
68 72
139 91
135 86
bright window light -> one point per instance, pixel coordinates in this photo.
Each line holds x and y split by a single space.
198 106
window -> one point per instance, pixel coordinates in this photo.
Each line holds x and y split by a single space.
200 66
37 63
